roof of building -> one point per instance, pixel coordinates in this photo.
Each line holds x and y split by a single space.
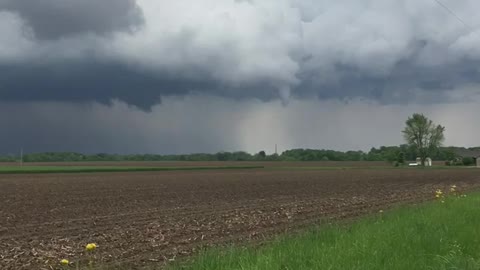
467 153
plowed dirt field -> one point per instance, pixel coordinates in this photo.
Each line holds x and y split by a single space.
150 218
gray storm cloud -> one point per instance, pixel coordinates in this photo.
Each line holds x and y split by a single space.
384 50
53 19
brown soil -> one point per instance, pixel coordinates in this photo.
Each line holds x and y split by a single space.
150 218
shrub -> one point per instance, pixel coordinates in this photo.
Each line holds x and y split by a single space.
468 161
401 158
455 162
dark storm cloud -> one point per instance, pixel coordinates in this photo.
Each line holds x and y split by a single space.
52 19
87 82
94 81
91 81
399 86
384 50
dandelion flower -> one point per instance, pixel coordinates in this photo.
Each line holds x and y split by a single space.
437 196
64 262
91 247
438 192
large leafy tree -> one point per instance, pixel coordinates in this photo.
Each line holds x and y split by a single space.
423 135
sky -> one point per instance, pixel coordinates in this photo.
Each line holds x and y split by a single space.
167 77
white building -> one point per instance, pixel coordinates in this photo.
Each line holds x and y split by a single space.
428 162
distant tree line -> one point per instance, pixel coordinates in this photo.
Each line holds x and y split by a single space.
400 153
384 153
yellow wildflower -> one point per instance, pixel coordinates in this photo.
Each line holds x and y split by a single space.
381 211
91 247
64 262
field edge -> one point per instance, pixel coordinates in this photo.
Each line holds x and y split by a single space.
401 238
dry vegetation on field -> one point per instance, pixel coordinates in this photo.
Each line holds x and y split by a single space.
152 217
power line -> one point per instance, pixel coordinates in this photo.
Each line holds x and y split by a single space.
449 10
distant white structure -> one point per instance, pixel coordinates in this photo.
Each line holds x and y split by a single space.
428 162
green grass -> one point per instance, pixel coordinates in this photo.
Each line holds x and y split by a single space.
327 168
430 236
93 169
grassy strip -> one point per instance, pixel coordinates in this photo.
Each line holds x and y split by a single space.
432 236
329 168
94 169
326 168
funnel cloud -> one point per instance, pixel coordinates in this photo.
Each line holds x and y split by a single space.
145 53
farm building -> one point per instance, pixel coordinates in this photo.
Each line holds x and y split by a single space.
418 162
467 153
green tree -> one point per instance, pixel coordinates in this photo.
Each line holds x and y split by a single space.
423 135
468 161
401 158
